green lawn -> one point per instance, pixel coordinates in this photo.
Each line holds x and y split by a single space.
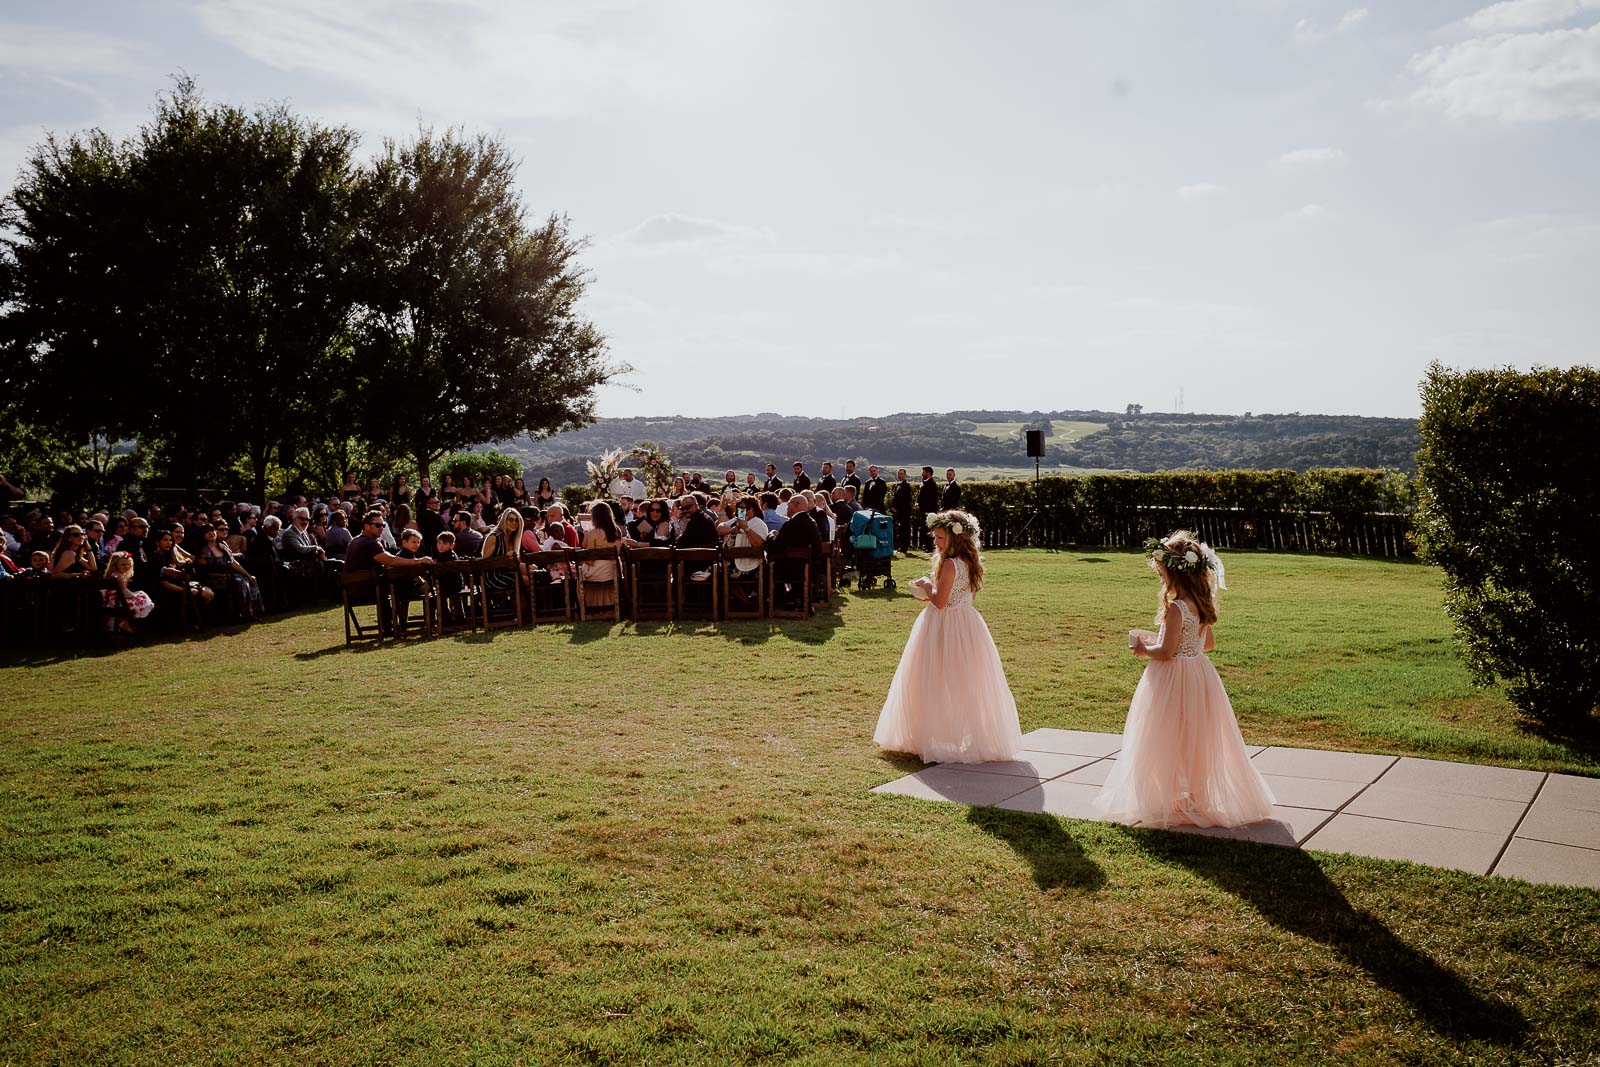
656 844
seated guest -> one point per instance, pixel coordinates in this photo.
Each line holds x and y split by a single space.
73 559
366 554
556 524
822 515
38 564
624 510
124 602
175 570
221 570
749 531
652 528
337 539
444 551
698 529
94 539
469 542
604 533
430 519
797 532
770 513
298 548
476 519
505 540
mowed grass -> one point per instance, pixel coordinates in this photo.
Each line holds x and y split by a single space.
657 844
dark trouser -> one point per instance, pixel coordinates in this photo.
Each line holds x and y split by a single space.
924 535
902 531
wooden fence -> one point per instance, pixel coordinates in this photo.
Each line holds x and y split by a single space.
1379 534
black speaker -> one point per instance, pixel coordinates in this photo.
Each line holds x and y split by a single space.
1035 444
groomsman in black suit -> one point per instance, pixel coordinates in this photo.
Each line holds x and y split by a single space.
850 475
927 504
802 480
875 492
773 482
900 507
951 497
827 482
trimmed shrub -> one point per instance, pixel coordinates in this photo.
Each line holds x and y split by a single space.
1508 510
479 465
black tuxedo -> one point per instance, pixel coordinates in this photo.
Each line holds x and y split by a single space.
900 505
799 532
852 479
826 483
699 531
928 496
802 481
951 497
730 487
772 484
874 494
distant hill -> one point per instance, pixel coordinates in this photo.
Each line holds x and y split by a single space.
988 440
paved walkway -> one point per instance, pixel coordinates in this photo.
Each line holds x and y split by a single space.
1485 820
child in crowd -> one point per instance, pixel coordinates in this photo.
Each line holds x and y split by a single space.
1183 760
125 604
38 565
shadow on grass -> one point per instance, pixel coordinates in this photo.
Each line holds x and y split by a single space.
1291 891
1057 860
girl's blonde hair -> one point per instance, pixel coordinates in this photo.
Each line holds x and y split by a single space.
119 563
966 541
1193 585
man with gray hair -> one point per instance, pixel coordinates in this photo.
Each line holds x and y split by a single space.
298 547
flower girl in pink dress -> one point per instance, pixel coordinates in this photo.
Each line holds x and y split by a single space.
1183 761
949 701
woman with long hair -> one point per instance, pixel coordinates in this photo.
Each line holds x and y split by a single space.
545 495
602 533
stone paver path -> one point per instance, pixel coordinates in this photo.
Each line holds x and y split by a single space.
1485 820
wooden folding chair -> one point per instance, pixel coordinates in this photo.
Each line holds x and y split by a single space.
784 562
649 581
595 555
551 585
499 591
455 600
687 562
822 579
744 593
357 589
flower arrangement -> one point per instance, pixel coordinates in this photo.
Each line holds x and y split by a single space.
656 467
957 522
1185 562
603 470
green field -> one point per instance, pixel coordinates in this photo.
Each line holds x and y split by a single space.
657 844
1064 431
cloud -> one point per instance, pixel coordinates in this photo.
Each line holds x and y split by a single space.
491 60
1308 32
1526 14
1199 190
1308 211
923 225
60 52
674 228
1513 77
1311 155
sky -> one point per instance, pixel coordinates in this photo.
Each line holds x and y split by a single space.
846 209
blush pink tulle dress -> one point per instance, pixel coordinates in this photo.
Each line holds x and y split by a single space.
949 701
1183 760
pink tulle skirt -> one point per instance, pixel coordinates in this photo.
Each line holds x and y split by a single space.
1183 760
949 701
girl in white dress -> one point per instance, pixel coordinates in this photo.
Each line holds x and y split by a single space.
1183 761
949 701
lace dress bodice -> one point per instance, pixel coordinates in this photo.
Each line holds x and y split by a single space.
1191 641
960 589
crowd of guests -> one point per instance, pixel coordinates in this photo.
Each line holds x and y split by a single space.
235 561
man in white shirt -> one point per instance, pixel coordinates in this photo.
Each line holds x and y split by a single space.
627 485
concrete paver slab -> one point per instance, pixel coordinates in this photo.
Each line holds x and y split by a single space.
1541 861
1468 779
1092 774
1073 800
1560 825
1073 742
1315 763
1036 765
1457 810
1437 846
962 787
1570 791
1322 793
1288 826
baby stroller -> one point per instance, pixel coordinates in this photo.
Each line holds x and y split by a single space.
872 536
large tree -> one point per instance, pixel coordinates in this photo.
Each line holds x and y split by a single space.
469 330
188 285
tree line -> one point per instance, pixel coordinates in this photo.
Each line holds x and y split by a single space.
230 297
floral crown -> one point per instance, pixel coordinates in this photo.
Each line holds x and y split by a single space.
1189 561
957 522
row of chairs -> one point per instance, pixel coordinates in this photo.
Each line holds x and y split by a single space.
648 583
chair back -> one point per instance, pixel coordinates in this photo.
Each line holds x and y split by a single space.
690 561
454 611
500 590
744 592
552 599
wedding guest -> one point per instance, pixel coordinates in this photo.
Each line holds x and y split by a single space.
366 552
350 489
653 526
600 575
797 531
298 547
545 495
827 482
750 531
770 513
400 493
475 518
124 602
875 491
679 487
900 508
822 515
468 541
38 564
430 520
950 498
927 504
174 567
338 536
556 523
444 551
699 531
425 489
72 558
447 489
94 536
519 495
697 484
221 570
